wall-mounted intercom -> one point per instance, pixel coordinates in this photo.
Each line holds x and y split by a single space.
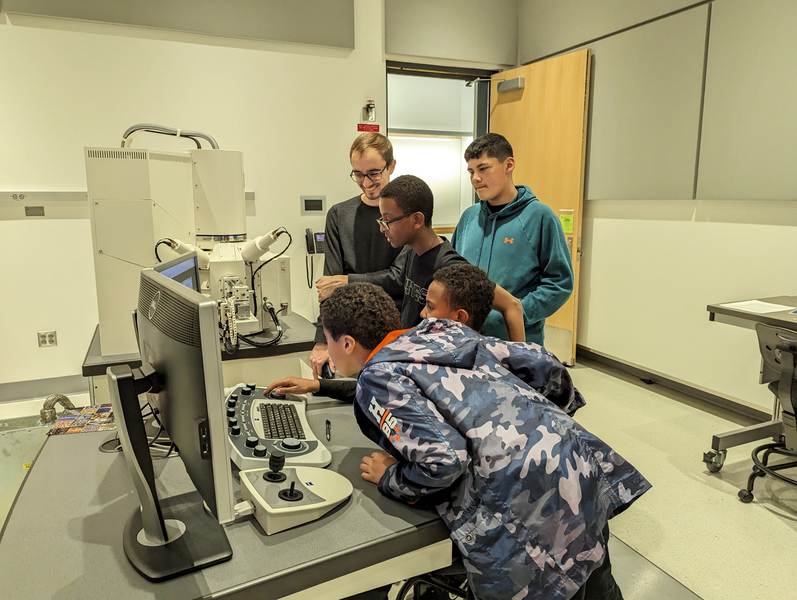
313 205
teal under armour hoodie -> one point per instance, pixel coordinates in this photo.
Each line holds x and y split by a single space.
523 249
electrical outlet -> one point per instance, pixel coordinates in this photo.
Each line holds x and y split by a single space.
47 339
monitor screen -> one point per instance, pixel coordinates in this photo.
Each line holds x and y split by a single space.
182 269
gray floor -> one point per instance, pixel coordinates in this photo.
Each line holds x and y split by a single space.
640 579
691 524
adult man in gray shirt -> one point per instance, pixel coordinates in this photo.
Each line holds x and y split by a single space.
353 242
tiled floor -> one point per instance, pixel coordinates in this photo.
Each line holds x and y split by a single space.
691 525
688 538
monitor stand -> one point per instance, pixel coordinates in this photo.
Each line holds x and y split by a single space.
203 542
163 538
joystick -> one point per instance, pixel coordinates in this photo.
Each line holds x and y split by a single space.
292 494
275 462
274 395
283 499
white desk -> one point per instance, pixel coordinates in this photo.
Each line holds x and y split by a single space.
772 428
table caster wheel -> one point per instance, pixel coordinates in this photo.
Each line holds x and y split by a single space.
714 459
746 496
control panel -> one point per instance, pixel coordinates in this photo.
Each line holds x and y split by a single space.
259 424
282 499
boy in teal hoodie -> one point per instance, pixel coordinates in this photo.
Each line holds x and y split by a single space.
516 239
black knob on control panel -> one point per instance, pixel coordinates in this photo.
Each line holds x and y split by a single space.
246 392
251 386
234 397
232 421
291 444
231 402
260 450
230 411
235 430
252 441
276 461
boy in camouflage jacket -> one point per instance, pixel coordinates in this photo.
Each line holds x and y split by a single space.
480 427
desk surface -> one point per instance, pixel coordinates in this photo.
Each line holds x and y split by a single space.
63 538
298 336
743 318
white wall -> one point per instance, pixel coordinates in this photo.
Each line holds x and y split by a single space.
656 253
291 109
547 27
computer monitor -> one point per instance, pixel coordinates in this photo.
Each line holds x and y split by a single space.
181 372
183 269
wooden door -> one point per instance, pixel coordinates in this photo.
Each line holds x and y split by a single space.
546 123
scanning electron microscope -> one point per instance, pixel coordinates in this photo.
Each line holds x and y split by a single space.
149 205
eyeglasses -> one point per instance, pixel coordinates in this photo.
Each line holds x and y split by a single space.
386 224
372 175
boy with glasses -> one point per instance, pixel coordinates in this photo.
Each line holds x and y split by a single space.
351 242
406 206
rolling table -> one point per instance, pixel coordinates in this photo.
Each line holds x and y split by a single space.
772 428
63 537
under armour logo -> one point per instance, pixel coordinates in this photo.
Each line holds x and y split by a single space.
509 240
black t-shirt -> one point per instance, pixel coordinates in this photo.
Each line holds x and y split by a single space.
353 242
418 274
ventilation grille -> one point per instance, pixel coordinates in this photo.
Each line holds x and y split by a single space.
175 318
169 157
131 154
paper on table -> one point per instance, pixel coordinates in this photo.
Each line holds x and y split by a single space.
756 306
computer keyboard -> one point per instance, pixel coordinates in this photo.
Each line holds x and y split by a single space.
280 420
258 425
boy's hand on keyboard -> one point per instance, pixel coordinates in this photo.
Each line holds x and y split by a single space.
293 385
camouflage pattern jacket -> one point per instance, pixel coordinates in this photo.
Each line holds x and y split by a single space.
477 425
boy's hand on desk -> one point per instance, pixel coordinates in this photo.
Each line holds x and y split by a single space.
294 385
373 467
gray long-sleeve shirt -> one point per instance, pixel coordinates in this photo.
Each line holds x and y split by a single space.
354 244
